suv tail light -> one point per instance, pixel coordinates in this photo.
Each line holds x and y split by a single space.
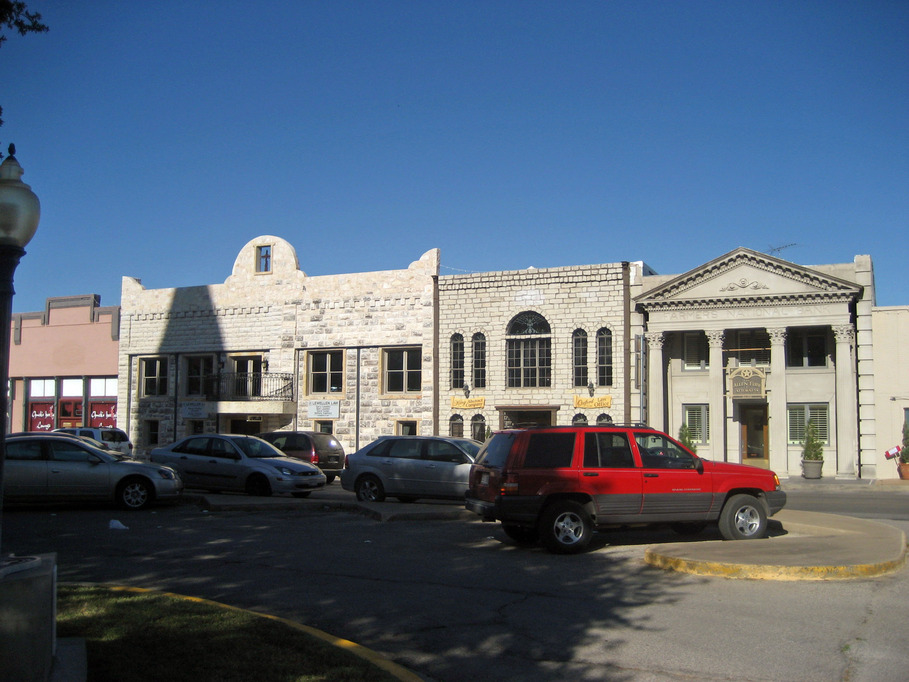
314 457
509 485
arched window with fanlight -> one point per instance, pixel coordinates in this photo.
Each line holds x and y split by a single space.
529 351
478 427
456 426
579 420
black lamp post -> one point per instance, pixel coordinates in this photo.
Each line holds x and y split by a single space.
20 212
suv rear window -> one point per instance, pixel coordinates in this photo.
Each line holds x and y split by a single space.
495 452
549 451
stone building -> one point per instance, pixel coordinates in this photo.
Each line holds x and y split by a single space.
63 365
272 348
536 346
746 349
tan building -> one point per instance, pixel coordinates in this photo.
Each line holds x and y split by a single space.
891 383
273 348
748 348
63 365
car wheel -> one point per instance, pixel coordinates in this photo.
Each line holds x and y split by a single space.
306 494
522 534
688 527
743 518
258 486
369 489
329 478
566 527
135 493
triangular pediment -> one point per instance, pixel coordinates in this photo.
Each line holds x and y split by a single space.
744 277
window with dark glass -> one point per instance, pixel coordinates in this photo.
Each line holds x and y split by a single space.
263 258
529 352
403 370
579 357
456 426
479 361
457 361
807 347
604 357
199 373
326 371
695 352
748 346
154 376
478 427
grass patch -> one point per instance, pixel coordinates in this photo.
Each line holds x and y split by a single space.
137 636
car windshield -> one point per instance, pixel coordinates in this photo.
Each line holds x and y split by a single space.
256 447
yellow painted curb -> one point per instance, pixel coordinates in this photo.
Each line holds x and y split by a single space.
373 657
772 572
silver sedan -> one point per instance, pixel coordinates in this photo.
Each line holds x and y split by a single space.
59 468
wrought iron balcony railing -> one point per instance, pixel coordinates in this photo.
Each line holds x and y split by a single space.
250 386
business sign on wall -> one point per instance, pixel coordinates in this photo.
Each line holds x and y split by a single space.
746 382
323 409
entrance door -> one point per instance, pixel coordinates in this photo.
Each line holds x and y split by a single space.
526 418
754 436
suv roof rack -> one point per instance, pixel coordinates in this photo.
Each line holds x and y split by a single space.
610 425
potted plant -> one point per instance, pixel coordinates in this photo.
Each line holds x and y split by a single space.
903 464
812 453
685 438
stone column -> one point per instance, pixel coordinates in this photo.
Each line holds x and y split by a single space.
656 378
778 447
717 396
846 403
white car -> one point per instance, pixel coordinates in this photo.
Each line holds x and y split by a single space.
235 462
115 439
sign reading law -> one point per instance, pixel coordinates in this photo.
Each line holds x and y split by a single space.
747 382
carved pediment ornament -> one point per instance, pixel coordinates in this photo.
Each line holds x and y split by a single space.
743 283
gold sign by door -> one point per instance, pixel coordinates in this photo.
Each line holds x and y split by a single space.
746 382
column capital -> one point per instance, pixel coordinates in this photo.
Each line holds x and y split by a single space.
777 335
844 333
655 339
715 338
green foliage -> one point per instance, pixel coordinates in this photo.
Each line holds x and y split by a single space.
685 438
812 449
904 453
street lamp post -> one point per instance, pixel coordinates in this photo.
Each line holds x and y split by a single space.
20 212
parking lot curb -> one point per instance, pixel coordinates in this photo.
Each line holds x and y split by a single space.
399 672
815 546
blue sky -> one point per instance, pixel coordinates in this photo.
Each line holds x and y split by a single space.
161 137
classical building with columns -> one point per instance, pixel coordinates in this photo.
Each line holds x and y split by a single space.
747 349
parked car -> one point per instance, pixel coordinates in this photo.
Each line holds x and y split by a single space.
115 438
410 467
248 464
59 467
321 449
559 484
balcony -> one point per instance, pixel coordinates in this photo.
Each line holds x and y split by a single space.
250 386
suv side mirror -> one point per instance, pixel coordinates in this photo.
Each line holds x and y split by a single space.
698 465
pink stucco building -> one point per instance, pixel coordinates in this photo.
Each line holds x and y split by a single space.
63 365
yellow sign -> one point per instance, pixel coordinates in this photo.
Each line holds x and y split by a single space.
468 403
598 402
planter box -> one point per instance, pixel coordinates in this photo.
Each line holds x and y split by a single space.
811 468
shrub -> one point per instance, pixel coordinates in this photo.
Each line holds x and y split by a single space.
812 449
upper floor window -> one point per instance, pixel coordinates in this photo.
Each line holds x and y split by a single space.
154 376
806 347
263 258
326 371
579 357
403 370
457 361
248 375
749 346
529 357
200 372
479 360
695 354
604 357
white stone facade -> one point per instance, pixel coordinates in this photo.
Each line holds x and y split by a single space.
259 329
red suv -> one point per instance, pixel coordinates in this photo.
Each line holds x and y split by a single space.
558 484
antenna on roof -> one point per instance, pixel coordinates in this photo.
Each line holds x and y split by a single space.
774 250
